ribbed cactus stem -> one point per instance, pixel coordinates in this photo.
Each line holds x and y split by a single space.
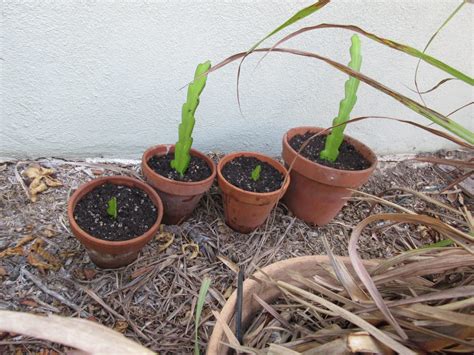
185 140
336 137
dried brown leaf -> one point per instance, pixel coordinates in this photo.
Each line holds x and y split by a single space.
344 277
25 240
29 302
49 231
165 239
227 331
191 250
89 273
364 275
50 182
229 263
364 342
349 316
34 261
120 326
11 251
451 162
41 179
443 315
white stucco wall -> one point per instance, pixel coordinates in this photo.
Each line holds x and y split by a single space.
101 78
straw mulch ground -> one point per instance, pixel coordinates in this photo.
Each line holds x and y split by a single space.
152 301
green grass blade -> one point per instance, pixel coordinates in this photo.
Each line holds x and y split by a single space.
431 114
429 42
206 283
295 18
389 43
441 243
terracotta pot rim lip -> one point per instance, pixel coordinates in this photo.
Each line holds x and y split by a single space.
208 160
154 197
232 155
370 168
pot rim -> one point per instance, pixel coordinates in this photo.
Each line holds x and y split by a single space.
90 186
373 159
266 159
147 155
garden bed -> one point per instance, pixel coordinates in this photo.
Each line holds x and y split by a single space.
153 300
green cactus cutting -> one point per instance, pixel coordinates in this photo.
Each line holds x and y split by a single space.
112 207
256 173
181 154
335 138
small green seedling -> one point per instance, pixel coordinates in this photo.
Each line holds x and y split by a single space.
335 138
112 207
256 173
182 157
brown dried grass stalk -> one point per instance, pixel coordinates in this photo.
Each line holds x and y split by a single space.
418 301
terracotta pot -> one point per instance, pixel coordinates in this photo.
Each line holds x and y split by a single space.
105 253
307 266
179 198
244 210
317 192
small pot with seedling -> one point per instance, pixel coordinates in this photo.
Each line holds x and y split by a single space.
180 174
114 217
251 185
324 167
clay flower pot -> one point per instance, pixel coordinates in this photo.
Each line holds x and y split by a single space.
179 198
307 266
317 192
244 211
113 254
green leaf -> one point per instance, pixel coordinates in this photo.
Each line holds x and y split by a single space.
181 153
295 18
387 42
442 120
112 207
206 283
441 243
256 173
428 44
335 138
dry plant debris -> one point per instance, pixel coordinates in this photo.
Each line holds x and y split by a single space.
430 294
40 179
156 295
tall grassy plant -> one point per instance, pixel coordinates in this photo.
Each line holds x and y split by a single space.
464 133
335 138
181 153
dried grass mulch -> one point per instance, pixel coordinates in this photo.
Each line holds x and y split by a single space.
153 300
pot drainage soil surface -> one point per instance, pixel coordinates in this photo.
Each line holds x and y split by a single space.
136 213
349 158
198 169
239 171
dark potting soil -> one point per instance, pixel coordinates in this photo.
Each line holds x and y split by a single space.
197 170
136 213
349 158
239 173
